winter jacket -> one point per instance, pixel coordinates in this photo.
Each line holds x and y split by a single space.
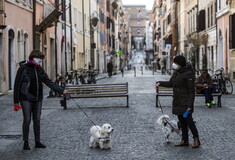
203 80
110 67
182 82
28 83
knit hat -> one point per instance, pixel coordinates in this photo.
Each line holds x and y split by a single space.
180 60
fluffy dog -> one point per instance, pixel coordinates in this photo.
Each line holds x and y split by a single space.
168 126
101 136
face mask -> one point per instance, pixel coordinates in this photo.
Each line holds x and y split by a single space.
37 61
175 66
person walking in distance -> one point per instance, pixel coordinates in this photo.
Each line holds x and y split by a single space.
182 82
110 68
28 92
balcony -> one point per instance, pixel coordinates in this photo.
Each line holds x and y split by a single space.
47 22
47 10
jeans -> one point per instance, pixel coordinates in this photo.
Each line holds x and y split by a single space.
185 123
31 108
208 94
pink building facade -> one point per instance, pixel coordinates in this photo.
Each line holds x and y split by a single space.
15 40
223 35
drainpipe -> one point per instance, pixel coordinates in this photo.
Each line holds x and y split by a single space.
83 28
56 52
71 34
197 54
34 22
65 37
216 24
98 33
92 55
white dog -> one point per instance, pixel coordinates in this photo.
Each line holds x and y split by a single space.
101 136
168 126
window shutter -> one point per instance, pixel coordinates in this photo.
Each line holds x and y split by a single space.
232 32
1 6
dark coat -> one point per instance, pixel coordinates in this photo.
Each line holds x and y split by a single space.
110 67
203 80
28 83
182 82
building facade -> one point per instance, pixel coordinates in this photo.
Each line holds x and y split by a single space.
137 15
15 38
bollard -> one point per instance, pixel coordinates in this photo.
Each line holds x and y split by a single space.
122 72
134 72
153 69
142 69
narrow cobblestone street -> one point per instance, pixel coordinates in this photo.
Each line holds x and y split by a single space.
136 134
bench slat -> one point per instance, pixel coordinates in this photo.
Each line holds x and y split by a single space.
163 91
97 91
97 96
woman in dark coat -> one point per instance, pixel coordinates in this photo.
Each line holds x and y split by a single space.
110 68
182 82
28 91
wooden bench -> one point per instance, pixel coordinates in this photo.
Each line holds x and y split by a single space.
97 91
163 91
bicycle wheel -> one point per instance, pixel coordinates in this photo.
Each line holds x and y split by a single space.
229 87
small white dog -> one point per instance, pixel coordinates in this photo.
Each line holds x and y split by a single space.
101 136
168 126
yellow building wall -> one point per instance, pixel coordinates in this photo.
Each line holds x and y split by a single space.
82 55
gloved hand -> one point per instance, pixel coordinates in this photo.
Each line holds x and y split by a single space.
67 96
17 107
186 113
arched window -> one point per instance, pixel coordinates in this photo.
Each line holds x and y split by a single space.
20 56
26 46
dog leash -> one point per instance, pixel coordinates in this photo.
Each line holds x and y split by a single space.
67 96
164 117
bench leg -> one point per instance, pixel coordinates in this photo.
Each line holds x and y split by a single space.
157 101
219 101
127 101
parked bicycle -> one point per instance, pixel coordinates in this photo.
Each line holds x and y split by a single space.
61 81
82 75
223 80
92 76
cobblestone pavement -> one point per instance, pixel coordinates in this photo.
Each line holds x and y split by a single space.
136 135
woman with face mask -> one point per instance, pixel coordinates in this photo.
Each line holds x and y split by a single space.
28 91
182 82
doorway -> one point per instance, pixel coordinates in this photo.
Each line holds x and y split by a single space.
1 60
52 59
11 64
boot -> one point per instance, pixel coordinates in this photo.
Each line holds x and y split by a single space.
39 145
26 145
182 143
196 143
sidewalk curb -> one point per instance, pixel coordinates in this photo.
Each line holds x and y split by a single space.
101 78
